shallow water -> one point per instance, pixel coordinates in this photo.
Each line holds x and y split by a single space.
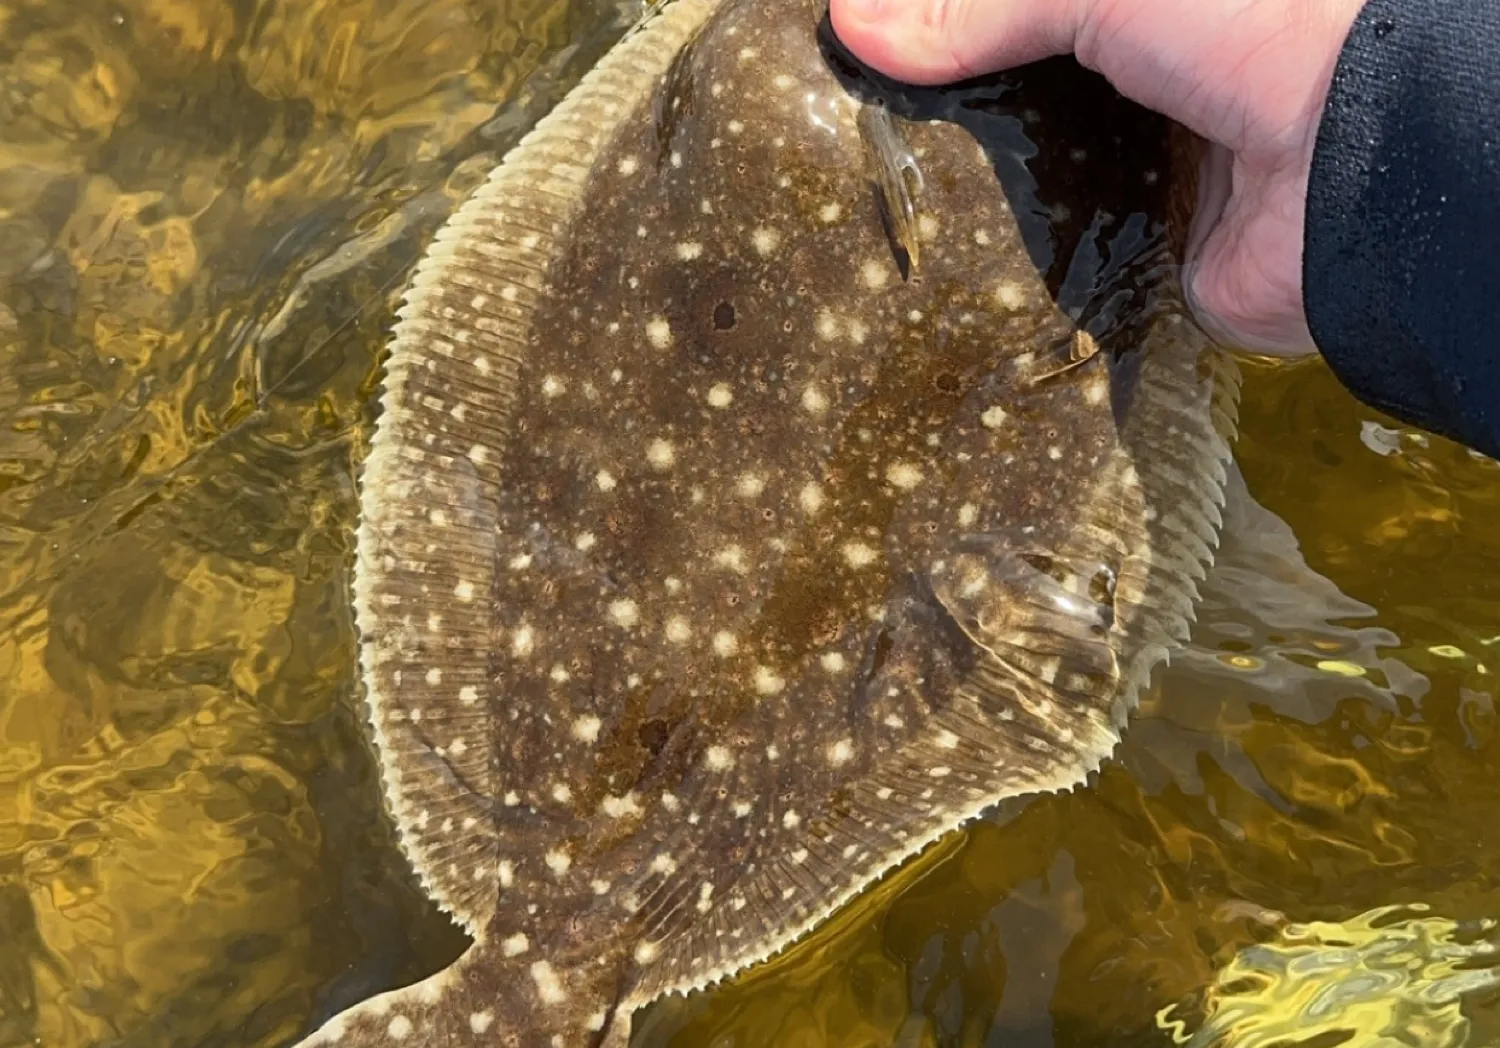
207 210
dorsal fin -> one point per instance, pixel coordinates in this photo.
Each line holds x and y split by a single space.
430 486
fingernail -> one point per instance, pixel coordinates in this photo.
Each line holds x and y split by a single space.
866 10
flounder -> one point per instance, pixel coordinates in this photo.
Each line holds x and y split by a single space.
745 514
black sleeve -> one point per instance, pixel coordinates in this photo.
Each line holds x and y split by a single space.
1401 269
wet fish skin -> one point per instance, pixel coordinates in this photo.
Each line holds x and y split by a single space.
708 569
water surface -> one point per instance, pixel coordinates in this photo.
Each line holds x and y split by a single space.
207 211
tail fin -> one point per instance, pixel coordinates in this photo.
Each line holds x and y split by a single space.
497 995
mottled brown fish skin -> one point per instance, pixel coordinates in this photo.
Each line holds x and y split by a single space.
708 567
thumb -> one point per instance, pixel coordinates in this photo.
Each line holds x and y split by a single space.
938 41
1243 275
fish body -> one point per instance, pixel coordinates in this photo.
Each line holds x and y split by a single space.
713 560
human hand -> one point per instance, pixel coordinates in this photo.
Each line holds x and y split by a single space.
1249 76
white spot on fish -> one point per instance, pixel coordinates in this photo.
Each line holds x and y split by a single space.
903 475
873 274
767 682
552 386
765 241
810 498
791 820
659 332
677 630
841 752
689 250
624 613
558 861
858 555
830 212
1010 295
661 454
515 945
750 485
399 1028
619 807
832 661
725 644
605 480
480 1022
814 401
628 165
731 558
586 728
719 395
718 758
548 987
522 641
993 417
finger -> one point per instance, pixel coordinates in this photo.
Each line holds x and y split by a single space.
938 41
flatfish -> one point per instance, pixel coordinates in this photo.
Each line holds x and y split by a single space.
750 506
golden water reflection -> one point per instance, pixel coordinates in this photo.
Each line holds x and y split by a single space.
206 211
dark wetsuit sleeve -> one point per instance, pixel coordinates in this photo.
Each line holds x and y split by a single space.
1402 262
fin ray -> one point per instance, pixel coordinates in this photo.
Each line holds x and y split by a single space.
430 489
